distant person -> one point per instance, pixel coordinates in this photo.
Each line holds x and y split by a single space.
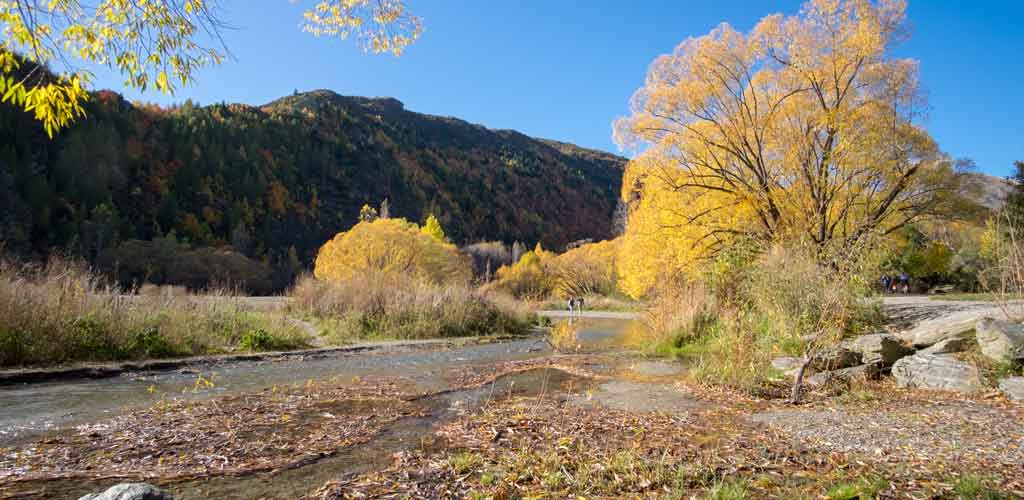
904 282
571 303
579 304
886 281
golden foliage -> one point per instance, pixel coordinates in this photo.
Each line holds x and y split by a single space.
589 269
526 278
390 246
805 126
433 229
380 25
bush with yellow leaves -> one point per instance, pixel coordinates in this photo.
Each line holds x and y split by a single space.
390 246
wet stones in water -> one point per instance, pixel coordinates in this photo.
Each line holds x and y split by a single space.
657 368
640 398
130 491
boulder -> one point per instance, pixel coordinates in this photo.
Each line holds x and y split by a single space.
835 358
1013 387
862 372
937 371
880 349
787 365
948 346
130 491
931 332
1000 340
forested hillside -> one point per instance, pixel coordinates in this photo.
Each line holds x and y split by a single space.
173 195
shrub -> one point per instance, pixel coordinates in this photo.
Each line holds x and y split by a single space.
525 279
390 246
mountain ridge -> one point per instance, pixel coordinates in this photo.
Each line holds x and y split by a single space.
273 182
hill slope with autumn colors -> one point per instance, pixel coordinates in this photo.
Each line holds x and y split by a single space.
132 184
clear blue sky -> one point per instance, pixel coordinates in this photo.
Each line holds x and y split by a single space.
565 69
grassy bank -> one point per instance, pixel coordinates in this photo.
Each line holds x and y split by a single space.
61 313
781 303
390 306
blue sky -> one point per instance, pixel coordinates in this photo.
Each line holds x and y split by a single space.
565 69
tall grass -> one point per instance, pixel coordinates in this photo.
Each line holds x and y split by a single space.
783 302
62 312
379 305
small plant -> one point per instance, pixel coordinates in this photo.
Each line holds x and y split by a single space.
465 462
149 343
728 490
862 489
973 487
257 339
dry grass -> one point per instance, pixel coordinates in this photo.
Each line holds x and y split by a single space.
61 312
398 307
783 302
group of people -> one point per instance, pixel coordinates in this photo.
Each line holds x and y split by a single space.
575 304
896 284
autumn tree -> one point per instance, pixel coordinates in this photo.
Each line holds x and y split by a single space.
806 126
391 246
589 269
433 229
156 44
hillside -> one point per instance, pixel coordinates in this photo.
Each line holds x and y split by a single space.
131 185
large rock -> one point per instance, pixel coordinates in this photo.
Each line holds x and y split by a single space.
1000 340
1013 387
130 491
835 358
879 349
948 346
955 326
937 371
862 372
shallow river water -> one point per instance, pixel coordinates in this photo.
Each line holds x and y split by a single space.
27 410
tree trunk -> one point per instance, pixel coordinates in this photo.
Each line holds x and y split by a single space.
798 382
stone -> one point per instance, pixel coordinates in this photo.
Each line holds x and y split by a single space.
937 371
862 372
130 491
948 346
880 349
1000 340
931 332
1013 387
834 358
787 365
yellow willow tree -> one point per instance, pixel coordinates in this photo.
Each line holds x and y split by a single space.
392 247
806 127
155 43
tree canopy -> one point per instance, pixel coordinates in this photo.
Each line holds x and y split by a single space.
806 126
